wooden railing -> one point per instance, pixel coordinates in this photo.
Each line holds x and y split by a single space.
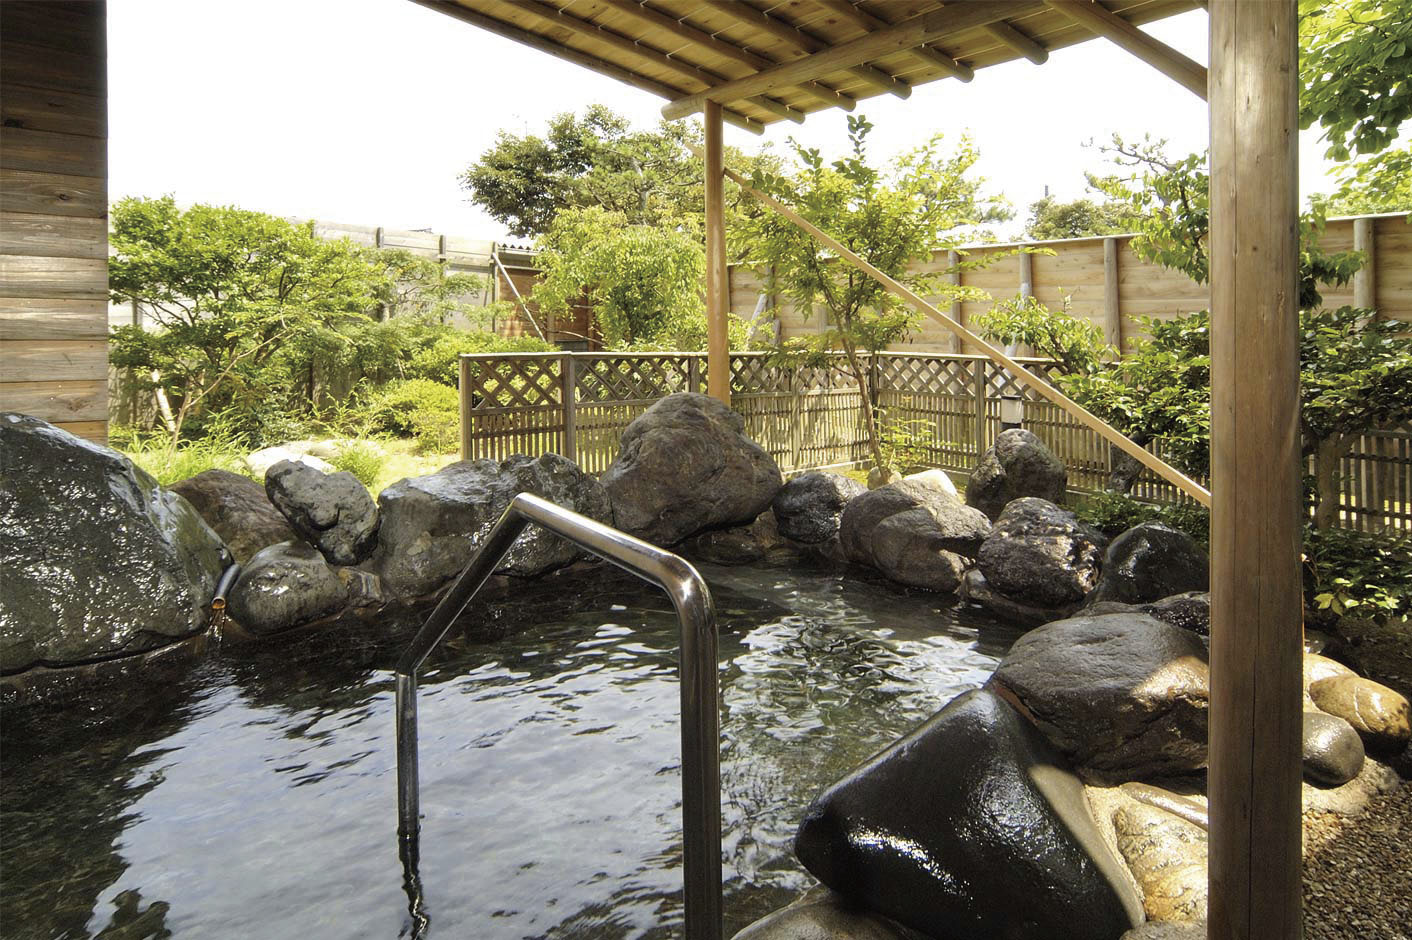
578 404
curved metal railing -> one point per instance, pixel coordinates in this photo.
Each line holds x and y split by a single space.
700 710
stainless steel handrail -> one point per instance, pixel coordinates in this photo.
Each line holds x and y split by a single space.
700 692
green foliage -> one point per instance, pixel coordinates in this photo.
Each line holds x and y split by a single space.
411 285
888 218
650 178
1381 183
1357 572
1050 218
155 454
1076 344
1113 514
439 361
1355 373
1354 67
644 283
420 408
360 459
1172 199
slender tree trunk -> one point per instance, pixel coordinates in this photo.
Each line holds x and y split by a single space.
1326 459
865 395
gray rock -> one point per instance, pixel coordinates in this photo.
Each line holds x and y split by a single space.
807 508
1167 856
1119 693
1332 750
1040 555
913 531
970 828
822 914
98 560
1190 611
976 590
333 511
433 525
686 466
936 479
1379 714
734 546
1148 562
1158 930
882 476
237 508
1015 466
261 461
284 586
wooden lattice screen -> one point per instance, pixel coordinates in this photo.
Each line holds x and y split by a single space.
577 404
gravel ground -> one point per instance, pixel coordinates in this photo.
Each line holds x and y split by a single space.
1358 872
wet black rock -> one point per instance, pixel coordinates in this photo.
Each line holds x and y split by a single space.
1190 610
1040 555
98 560
284 586
970 828
432 525
1148 562
976 590
686 466
237 508
1121 693
1015 466
1332 750
913 531
333 511
808 507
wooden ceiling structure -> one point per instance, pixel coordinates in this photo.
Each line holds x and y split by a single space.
755 62
781 61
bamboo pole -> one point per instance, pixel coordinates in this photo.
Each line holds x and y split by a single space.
718 370
1256 595
1081 414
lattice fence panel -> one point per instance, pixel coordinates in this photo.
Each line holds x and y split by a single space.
512 405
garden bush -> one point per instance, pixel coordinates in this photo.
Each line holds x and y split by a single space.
362 460
419 408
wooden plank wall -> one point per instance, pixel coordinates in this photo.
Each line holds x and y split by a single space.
1112 299
54 213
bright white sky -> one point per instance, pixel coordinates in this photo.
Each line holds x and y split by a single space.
366 111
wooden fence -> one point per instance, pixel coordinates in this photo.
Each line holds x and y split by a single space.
949 405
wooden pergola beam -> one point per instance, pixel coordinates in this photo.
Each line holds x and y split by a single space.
806 41
925 54
908 34
704 40
1254 781
1018 41
1098 20
570 54
628 46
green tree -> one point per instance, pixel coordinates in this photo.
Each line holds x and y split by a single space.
599 161
644 282
413 285
1355 72
890 219
228 289
1050 218
1381 183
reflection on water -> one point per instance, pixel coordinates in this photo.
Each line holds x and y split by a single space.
257 797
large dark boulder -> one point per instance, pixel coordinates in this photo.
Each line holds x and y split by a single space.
913 531
286 585
1016 465
1148 562
237 508
807 508
433 525
1121 693
333 511
1190 610
970 828
1041 556
975 589
1332 752
686 466
96 560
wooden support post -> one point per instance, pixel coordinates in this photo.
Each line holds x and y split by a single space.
1256 597
464 387
1365 281
1112 309
568 395
979 385
718 369
958 313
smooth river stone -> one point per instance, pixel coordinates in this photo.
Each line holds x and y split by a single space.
1332 750
1381 715
970 828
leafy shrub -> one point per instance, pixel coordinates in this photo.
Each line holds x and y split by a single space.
360 459
154 453
1357 572
440 360
419 408
1113 514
